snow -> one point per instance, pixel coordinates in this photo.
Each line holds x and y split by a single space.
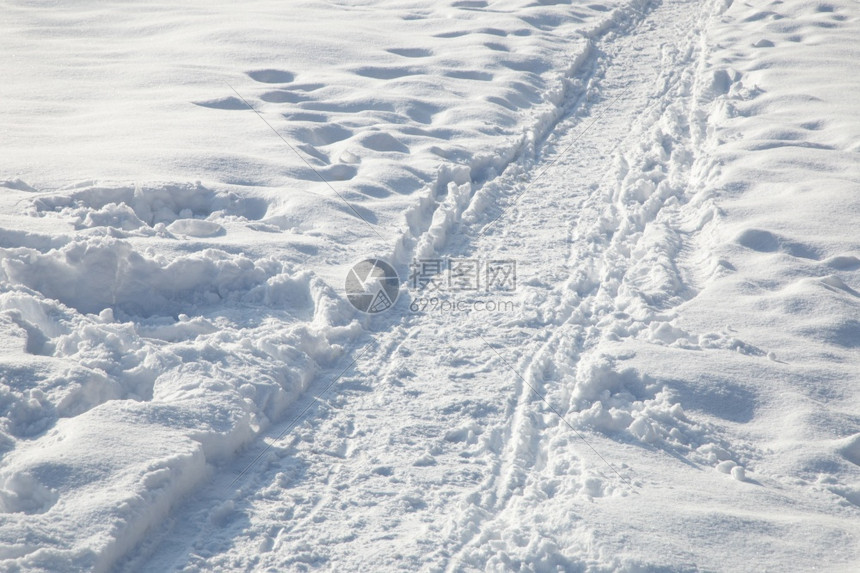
672 384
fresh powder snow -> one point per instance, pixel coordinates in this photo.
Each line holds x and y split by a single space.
467 285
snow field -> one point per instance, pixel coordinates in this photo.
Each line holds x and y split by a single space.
496 459
447 83
675 180
117 292
787 258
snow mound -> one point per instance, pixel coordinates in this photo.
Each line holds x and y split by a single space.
130 208
100 273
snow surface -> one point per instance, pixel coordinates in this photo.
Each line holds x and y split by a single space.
671 386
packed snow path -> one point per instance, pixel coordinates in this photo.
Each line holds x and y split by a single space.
425 450
432 453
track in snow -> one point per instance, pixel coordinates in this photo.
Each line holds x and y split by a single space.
429 451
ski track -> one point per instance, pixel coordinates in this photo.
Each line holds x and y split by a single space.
622 71
329 492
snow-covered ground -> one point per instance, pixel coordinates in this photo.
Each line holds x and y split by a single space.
671 383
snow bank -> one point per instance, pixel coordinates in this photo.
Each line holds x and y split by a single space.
126 374
182 208
96 274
